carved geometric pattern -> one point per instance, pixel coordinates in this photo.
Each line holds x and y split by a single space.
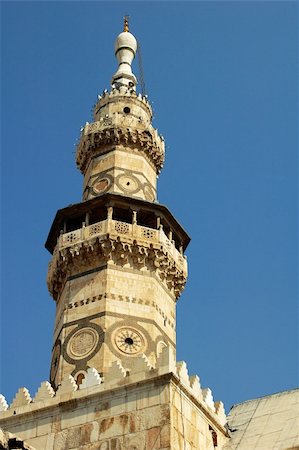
95 229
70 238
97 251
147 233
121 227
122 298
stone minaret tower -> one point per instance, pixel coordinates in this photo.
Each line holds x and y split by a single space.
118 262
117 270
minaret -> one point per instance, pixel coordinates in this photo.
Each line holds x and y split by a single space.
118 264
117 270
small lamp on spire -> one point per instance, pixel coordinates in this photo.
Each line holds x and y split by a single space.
125 51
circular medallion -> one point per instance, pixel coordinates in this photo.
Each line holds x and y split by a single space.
101 185
55 361
129 341
128 183
149 193
82 343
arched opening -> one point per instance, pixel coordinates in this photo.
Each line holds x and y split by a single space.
80 377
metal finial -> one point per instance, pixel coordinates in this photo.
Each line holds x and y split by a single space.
126 23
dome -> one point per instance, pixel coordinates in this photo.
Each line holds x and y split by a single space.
125 40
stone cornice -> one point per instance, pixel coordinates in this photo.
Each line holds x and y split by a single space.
118 250
96 137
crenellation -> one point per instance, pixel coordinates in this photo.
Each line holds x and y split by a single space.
67 386
166 360
182 371
220 411
116 372
22 398
45 392
142 366
92 378
208 398
3 403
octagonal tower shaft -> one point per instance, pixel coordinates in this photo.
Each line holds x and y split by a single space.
118 264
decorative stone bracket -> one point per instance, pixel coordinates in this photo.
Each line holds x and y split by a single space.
143 140
120 251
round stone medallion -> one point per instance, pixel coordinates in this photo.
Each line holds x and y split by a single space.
129 340
82 343
55 361
149 193
101 185
128 183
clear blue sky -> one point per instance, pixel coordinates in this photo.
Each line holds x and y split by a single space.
222 77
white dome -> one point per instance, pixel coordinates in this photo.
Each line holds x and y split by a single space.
125 39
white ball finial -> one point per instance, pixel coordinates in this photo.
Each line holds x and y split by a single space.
125 51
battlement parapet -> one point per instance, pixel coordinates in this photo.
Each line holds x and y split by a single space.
117 376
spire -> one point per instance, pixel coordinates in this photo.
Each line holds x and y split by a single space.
125 51
126 24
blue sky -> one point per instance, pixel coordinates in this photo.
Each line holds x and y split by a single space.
222 78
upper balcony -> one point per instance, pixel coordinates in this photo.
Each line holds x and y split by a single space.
128 233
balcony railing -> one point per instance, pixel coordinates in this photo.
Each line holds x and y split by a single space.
133 231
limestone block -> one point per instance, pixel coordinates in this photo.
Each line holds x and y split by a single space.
141 364
45 392
68 385
3 403
92 378
220 411
166 360
195 386
182 372
208 398
115 372
22 398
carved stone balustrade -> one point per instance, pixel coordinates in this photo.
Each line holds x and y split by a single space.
120 243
